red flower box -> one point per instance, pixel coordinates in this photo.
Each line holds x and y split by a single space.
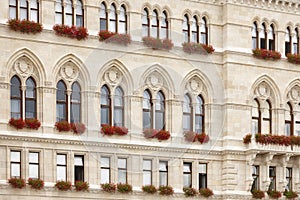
116 38
81 186
165 190
156 43
63 185
17 182
274 194
203 138
108 187
150 133
32 123
191 48
103 35
266 54
274 139
37 184
25 26
17 123
258 194
79 33
190 136
247 138
78 128
63 126
124 188
113 130
293 58
163 135
206 192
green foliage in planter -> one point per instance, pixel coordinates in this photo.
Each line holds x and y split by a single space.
273 194
266 54
63 126
25 26
206 192
165 190
37 184
108 187
78 128
63 185
192 48
189 192
17 123
151 189
258 194
293 58
247 138
17 182
124 188
32 123
81 186
290 194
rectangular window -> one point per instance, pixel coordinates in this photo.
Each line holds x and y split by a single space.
79 168
289 178
61 167
58 12
202 175
147 172
255 175
272 176
13 9
15 164
105 170
34 10
262 43
34 165
163 173
287 47
23 10
187 174
122 170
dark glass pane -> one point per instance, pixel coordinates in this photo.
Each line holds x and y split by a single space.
75 113
146 120
61 112
61 91
15 88
159 120
30 109
104 115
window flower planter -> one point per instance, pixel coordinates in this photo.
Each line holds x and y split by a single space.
166 190
78 128
190 136
63 126
190 192
63 185
206 192
17 123
274 139
113 130
25 26
258 194
202 138
163 135
37 184
293 58
79 33
32 123
150 133
17 182
110 37
109 187
274 194
124 188
81 186
193 48
156 43
290 194
150 189
266 54
247 138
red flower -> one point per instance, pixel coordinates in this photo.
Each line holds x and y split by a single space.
156 43
78 128
79 33
17 123
32 123
163 135
25 26
203 138
63 126
191 47
266 54
293 58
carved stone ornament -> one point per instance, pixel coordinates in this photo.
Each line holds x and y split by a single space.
69 71
155 81
23 66
113 76
263 91
294 94
195 85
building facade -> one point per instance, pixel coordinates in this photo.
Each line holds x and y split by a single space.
226 94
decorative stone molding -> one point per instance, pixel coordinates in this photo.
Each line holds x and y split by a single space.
294 94
113 76
195 85
24 67
263 91
155 81
69 71
4 85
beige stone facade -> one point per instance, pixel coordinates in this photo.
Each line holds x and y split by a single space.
229 80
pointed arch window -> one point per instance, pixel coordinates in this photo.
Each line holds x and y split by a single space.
263 37
289 120
122 28
204 31
154 25
69 13
164 26
267 118
199 115
59 9
145 23
119 107
113 19
186 29
103 17
23 9
271 37
75 111
160 111
30 99
254 36
61 102
295 40
288 39
147 110
195 30
187 113
15 98
79 14
256 117
105 105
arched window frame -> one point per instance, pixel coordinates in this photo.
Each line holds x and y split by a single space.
160 111
79 14
113 18
288 41
267 120
195 30
103 17
200 115
289 120
155 25
271 37
59 12
69 13
118 107
122 27
256 120
295 41
186 28
204 31
16 99
60 102
13 9
254 36
30 98
147 110
24 9
145 23
106 107
187 113
34 10
164 28
263 37
75 103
